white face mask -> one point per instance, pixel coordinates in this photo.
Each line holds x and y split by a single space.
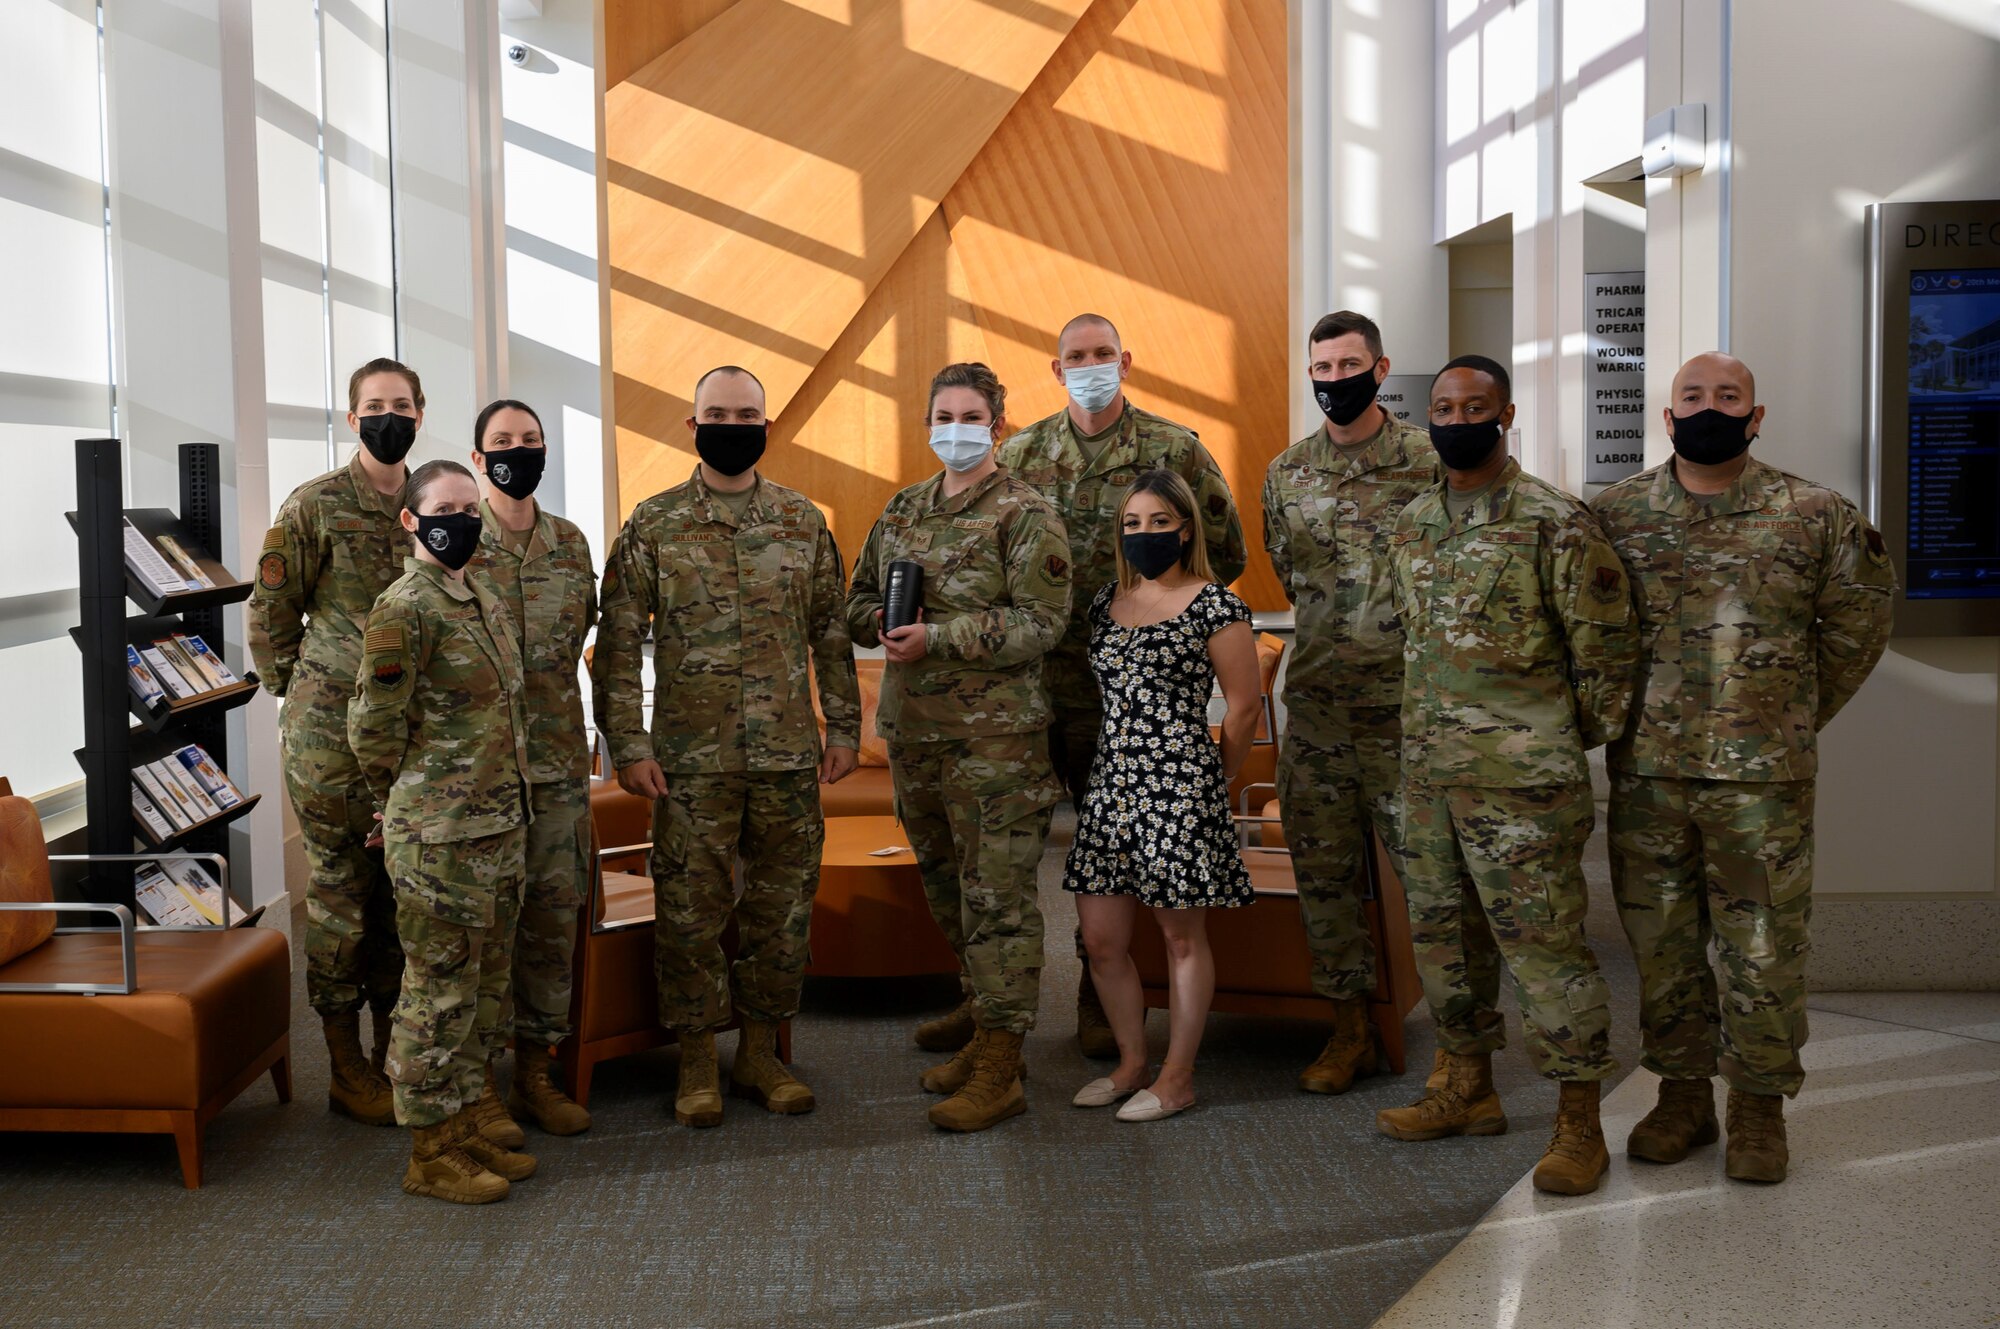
1092 386
961 446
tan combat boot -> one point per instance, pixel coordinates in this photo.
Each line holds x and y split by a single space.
698 1097
993 1094
489 1117
1576 1158
439 1167
536 1096
1348 1055
950 1077
1683 1117
1464 1105
1093 1028
357 1089
495 1157
759 1076
950 1032
379 1052
1439 1074
1756 1150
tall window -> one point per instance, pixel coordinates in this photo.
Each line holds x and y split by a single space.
55 371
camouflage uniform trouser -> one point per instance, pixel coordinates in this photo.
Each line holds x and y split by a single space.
351 950
1498 874
1073 751
1338 773
771 818
1695 859
456 908
977 813
558 842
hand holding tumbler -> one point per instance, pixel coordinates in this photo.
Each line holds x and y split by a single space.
905 595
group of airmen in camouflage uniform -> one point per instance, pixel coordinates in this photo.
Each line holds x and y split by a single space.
1465 633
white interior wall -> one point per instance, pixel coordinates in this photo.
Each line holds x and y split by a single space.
1363 115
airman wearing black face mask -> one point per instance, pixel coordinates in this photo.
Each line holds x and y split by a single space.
334 548
1765 600
1330 503
541 567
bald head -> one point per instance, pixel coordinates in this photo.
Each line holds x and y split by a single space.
1712 373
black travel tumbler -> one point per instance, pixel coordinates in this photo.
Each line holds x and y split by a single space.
905 595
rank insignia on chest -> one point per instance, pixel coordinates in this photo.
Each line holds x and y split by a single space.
271 571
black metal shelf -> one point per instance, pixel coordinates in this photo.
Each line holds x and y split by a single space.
113 745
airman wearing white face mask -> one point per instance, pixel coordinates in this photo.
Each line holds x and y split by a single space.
966 718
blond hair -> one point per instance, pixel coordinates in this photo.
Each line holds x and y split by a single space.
1171 489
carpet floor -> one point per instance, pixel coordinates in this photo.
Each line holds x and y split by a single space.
1264 1206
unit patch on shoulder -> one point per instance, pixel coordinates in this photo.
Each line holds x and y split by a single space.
1056 568
1218 506
272 572
387 671
1878 548
1605 585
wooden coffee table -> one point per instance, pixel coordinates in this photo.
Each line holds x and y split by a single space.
870 918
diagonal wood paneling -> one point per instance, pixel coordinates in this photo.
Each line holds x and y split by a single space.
638 32
765 174
1144 176
855 433
1141 173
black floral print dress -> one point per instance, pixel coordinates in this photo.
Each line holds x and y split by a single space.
1155 819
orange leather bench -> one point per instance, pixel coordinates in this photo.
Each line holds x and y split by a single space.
1262 964
207 1013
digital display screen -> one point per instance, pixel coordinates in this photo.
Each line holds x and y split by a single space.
1954 540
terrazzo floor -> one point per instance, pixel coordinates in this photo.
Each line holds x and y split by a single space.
1890 1216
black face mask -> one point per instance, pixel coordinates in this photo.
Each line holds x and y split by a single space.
449 538
1344 399
1151 553
388 437
516 471
730 449
1464 447
1710 437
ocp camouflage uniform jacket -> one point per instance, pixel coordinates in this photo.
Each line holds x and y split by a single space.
1521 643
743 619
334 548
550 590
1762 612
996 595
1327 526
1085 494
438 719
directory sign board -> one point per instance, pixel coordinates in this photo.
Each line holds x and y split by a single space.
1614 376
1934 410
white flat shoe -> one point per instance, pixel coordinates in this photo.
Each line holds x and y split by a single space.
1099 1093
1146 1106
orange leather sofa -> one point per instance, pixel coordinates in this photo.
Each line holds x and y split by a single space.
183 1021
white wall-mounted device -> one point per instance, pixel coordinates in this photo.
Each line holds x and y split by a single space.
1676 141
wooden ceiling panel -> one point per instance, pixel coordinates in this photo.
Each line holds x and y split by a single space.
638 32
1144 176
768 170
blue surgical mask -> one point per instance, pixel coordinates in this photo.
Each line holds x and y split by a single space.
961 446
1092 386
